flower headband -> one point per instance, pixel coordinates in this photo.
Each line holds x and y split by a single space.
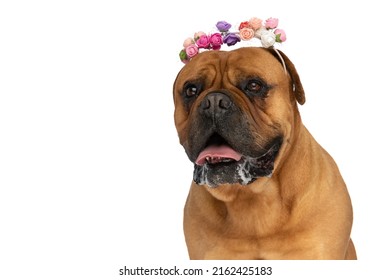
266 31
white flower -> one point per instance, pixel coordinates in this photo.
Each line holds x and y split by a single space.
267 37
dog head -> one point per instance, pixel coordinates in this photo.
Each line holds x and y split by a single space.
235 113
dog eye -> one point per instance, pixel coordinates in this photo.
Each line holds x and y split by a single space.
255 87
190 90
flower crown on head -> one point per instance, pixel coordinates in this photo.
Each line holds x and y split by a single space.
266 31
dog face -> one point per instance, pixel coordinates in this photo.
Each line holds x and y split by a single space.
235 112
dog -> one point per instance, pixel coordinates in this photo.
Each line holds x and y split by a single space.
262 187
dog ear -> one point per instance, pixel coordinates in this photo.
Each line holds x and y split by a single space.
296 82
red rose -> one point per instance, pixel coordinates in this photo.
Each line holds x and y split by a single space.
244 24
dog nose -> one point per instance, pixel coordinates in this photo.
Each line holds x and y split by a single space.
216 103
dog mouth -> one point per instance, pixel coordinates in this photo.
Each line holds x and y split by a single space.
217 151
218 163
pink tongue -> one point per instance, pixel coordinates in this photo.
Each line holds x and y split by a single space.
214 151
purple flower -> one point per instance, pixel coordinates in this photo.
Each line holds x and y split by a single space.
223 26
231 39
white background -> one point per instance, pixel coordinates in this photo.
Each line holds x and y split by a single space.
92 176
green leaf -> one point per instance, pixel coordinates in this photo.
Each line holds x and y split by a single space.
183 55
277 39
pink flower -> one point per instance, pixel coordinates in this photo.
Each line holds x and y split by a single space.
255 23
198 34
247 33
280 35
187 42
216 41
203 42
192 50
271 23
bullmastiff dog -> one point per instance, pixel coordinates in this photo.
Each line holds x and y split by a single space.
262 187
